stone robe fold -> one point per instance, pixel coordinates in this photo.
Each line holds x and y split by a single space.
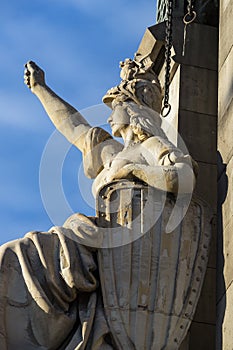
49 294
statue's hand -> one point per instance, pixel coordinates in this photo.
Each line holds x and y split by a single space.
123 172
33 76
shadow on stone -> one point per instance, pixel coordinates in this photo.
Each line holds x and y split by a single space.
221 287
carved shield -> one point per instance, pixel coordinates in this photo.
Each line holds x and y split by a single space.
150 279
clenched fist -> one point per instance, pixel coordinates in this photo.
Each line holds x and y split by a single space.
33 75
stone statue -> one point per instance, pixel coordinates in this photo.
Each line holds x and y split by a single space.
117 280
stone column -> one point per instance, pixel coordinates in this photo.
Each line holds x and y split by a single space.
197 120
225 179
193 96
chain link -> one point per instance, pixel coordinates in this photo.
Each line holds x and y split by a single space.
168 46
189 7
190 16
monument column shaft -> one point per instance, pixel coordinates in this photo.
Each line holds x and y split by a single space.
197 125
225 178
193 98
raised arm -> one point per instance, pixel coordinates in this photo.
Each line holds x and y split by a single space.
65 117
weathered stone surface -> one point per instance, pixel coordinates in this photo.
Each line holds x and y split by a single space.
224 4
228 253
225 127
199 129
225 183
221 308
206 186
225 311
185 343
227 206
222 193
198 93
164 265
199 340
221 284
225 85
206 36
213 244
206 309
225 28
151 43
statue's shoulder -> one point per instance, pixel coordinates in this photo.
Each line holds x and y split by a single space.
99 148
98 136
157 144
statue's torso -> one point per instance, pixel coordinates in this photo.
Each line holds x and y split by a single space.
135 153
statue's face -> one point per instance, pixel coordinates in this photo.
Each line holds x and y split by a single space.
118 120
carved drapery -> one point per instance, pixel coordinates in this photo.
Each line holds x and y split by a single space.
151 285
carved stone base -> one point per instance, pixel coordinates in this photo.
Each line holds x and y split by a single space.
152 283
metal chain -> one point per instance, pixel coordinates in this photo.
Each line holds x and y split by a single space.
190 16
168 45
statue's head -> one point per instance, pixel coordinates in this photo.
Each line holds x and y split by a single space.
139 84
137 100
143 121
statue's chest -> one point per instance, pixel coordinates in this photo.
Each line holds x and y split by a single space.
136 154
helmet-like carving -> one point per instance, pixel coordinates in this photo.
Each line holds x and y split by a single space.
139 84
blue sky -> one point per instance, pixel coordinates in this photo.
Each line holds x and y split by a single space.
79 44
